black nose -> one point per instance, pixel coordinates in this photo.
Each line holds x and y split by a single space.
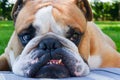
49 44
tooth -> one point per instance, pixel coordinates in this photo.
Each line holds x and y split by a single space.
56 63
51 63
59 61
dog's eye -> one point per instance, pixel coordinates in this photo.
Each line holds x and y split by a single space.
25 38
74 35
27 35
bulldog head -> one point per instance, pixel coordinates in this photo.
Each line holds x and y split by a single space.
51 32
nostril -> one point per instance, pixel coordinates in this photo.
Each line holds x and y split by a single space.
42 46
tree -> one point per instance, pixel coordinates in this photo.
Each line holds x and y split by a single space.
5 9
97 7
106 10
115 11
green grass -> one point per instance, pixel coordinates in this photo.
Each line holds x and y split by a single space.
6 29
112 29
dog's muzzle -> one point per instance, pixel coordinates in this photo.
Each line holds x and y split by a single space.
52 56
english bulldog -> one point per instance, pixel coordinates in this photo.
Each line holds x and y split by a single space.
56 39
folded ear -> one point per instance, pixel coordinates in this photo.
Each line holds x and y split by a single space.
16 8
85 7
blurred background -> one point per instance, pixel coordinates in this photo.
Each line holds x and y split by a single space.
102 9
106 16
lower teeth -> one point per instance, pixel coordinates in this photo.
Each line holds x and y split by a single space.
55 62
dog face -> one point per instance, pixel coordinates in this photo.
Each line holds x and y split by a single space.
50 33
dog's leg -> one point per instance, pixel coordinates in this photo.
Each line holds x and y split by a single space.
3 63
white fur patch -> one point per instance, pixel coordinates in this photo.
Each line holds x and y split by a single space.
19 64
17 68
44 22
12 57
94 61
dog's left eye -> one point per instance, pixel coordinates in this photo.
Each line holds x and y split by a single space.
74 35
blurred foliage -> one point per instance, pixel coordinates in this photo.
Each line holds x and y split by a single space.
106 11
5 9
102 11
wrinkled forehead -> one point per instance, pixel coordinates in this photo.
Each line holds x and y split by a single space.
65 13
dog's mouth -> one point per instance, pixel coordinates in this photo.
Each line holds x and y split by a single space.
53 69
64 63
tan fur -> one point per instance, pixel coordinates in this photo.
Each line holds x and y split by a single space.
104 46
4 63
67 17
24 20
93 42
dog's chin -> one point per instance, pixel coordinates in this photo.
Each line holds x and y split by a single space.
53 71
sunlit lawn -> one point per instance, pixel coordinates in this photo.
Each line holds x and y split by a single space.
6 28
110 28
